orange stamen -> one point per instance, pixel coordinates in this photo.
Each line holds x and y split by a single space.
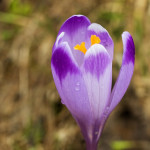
95 39
81 47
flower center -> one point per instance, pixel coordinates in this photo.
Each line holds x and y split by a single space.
94 40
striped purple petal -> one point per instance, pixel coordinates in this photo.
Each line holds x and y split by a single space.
97 74
126 70
106 40
75 32
71 87
75 24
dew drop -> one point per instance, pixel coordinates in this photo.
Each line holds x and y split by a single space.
78 83
77 86
107 110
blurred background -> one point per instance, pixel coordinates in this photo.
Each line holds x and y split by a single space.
31 114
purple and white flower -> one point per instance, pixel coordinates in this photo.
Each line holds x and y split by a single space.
82 70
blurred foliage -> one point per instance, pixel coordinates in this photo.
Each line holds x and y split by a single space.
116 19
117 32
138 34
8 34
108 17
19 7
122 145
34 132
49 26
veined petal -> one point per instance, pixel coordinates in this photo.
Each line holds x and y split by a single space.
71 87
75 23
97 73
75 29
58 41
63 61
126 70
106 40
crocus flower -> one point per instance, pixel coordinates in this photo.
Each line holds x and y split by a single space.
82 70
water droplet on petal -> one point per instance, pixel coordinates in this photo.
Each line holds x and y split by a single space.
77 86
78 83
107 110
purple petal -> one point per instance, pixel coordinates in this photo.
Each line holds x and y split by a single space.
106 41
71 87
97 73
75 32
96 60
58 41
129 48
62 61
75 24
126 71
75 29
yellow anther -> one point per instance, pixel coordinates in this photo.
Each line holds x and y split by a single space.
95 39
81 47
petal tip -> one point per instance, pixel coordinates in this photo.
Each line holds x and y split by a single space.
96 60
102 33
62 62
129 48
74 22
